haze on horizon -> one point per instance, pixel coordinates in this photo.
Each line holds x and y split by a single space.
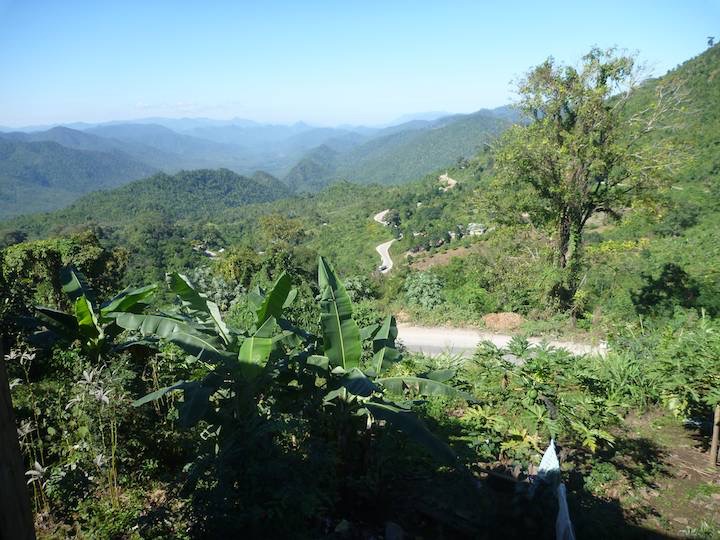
323 63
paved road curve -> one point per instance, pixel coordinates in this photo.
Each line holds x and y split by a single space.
384 251
463 341
380 217
384 248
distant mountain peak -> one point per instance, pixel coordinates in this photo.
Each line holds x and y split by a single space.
427 116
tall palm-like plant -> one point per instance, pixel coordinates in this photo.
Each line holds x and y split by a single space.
248 366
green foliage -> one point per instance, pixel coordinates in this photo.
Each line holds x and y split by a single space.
673 287
399 155
582 154
239 265
360 288
264 406
522 406
225 292
204 192
90 323
600 476
340 331
697 124
477 299
272 360
683 362
423 289
29 274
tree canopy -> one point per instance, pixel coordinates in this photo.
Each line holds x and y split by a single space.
583 152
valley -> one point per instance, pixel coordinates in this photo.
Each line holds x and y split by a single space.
305 158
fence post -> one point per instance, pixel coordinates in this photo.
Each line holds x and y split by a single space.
715 436
16 520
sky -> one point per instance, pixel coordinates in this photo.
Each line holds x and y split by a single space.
325 63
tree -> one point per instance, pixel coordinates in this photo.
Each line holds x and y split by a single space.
30 269
12 237
240 265
392 218
278 229
587 149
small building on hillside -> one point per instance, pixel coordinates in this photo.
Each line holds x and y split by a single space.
476 229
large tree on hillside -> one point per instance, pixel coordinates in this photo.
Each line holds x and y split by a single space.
588 148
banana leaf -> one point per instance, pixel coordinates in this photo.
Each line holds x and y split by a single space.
321 362
274 301
127 299
358 384
157 394
255 351
292 295
256 296
441 375
181 334
196 301
368 332
75 285
384 352
341 335
254 355
196 402
196 399
61 323
422 387
86 319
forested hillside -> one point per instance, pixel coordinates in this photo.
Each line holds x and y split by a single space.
699 123
426 214
186 195
41 176
304 157
399 154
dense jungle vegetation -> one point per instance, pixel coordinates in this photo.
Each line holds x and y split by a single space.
167 389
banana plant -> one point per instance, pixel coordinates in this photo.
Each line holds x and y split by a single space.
92 324
342 341
246 365
240 361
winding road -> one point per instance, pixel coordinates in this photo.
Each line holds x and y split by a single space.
436 340
380 217
384 248
384 251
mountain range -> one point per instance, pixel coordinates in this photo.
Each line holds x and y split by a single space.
172 209
43 175
44 169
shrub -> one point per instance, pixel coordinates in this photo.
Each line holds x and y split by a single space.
360 288
472 296
424 289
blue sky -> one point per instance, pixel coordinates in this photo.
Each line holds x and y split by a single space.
322 62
